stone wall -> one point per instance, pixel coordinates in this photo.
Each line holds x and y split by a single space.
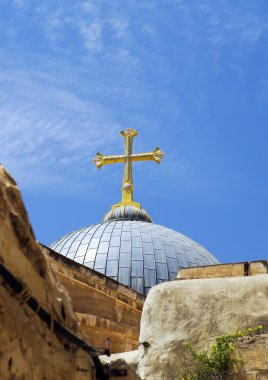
242 269
30 347
104 307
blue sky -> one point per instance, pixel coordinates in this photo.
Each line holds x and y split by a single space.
190 76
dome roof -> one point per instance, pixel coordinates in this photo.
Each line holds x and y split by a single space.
135 253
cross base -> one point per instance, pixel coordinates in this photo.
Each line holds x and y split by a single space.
120 204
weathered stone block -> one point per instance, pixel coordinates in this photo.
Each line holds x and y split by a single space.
197 311
253 353
257 267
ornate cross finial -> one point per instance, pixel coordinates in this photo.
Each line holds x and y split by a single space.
127 189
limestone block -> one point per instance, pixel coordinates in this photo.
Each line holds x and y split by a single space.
257 267
197 311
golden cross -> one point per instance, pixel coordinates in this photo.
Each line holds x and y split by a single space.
127 190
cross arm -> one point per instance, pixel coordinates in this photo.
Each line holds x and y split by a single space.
99 160
156 156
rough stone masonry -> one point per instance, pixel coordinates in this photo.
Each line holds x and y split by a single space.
29 347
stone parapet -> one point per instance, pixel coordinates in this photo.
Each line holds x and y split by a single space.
94 279
241 269
104 307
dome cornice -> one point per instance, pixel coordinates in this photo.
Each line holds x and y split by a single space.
127 213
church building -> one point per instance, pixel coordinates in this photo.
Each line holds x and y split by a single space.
127 251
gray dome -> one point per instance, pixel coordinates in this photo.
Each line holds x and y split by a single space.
135 253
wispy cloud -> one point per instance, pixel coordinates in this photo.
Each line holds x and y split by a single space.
48 134
92 34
